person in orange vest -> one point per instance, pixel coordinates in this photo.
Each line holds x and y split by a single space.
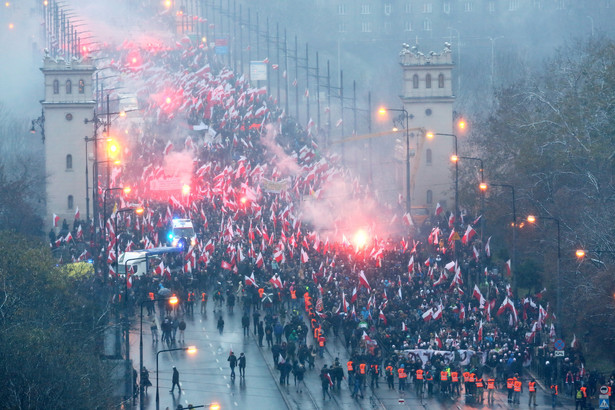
351 373
443 382
490 390
531 388
480 388
554 394
419 377
151 307
583 391
455 383
388 371
466 379
374 370
429 380
510 384
471 384
518 388
204 303
190 304
321 345
401 374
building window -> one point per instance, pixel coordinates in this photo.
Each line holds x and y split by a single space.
69 87
513 5
341 28
428 156
428 81
427 25
415 81
429 198
468 6
81 87
537 4
70 202
492 7
341 9
441 81
426 7
69 162
387 27
56 87
561 5
366 27
407 26
366 9
446 7
408 8
387 9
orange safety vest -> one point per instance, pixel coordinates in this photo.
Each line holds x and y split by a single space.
609 392
203 297
375 367
419 374
510 382
518 385
472 378
313 322
362 367
443 375
479 383
316 334
490 384
584 390
554 390
389 370
466 376
293 294
321 341
532 386
349 366
261 291
428 376
151 296
190 297
455 377
401 373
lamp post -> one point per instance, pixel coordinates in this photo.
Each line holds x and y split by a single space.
403 112
172 300
514 233
40 122
189 349
483 188
126 191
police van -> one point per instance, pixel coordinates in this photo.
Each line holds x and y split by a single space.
182 233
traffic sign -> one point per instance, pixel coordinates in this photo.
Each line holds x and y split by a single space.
559 344
604 403
559 353
604 390
456 237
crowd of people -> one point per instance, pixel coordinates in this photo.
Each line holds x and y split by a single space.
409 301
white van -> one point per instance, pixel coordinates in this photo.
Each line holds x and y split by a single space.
182 233
136 260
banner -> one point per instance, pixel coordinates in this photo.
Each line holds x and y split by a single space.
274 186
448 356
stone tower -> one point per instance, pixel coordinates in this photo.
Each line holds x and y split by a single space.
428 98
68 102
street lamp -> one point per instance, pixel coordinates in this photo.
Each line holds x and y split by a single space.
126 190
403 112
172 300
40 122
189 349
514 233
482 186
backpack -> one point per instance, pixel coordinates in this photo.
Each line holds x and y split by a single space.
579 394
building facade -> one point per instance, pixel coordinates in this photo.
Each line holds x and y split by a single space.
67 105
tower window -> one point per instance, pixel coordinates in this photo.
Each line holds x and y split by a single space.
428 81
441 81
415 81
56 87
427 25
407 26
81 87
70 202
428 156
69 87
69 161
429 198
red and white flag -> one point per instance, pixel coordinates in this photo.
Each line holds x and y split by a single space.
77 214
475 253
508 268
427 315
56 219
437 314
276 282
404 328
168 148
467 237
480 331
353 298
488 247
478 296
259 260
451 220
226 265
450 266
304 256
438 209
382 317
363 281
250 280
411 264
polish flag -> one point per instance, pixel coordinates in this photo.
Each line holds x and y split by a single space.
259 260
276 282
488 247
363 281
478 296
437 314
462 313
508 268
475 253
69 237
411 264
467 237
226 265
407 220
480 331
56 219
77 215
382 317
159 269
451 220
353 298
304 256
427 315
79 232
450 266
438 209
344 303
279 256
250 280
404 328
168 148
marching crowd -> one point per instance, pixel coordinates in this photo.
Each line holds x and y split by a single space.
410 304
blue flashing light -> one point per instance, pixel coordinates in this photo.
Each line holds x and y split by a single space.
171 235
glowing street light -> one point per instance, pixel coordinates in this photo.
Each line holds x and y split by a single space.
189 349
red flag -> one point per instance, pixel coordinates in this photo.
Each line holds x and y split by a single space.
508 268
478 296
427 315
438 209
467 237
56 219
250 280
411 264
363 281
353 298
304 256
226 265
77 215
259 260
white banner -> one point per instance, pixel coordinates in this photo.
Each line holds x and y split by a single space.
448 356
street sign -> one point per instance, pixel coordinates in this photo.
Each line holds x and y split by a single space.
604 390
559 353
559 344
456 237
604 403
